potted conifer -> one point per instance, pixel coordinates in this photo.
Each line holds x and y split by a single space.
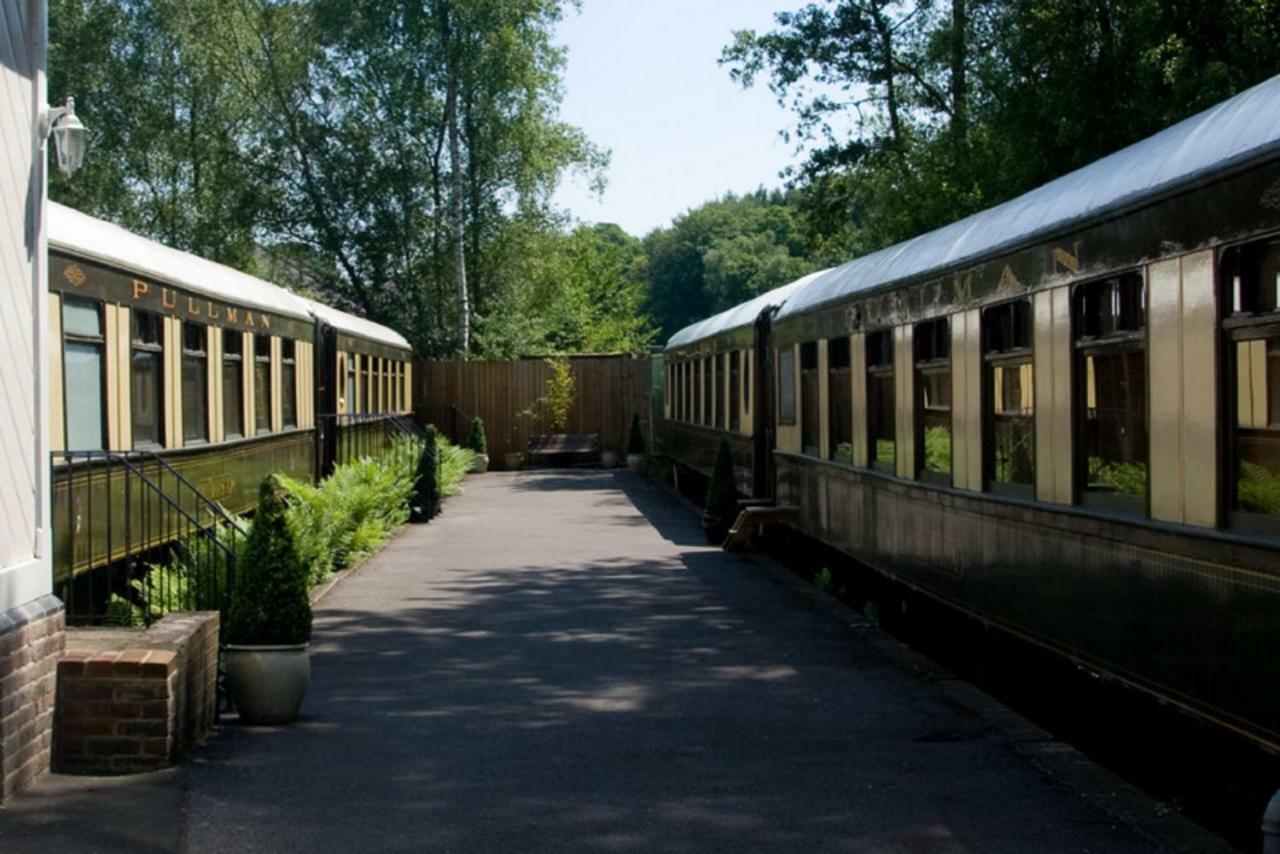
269 619
477 442
425 501
721 503
635 447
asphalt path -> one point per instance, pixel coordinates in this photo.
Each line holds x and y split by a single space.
558 663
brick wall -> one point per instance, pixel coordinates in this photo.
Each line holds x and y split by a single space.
31 641
136 701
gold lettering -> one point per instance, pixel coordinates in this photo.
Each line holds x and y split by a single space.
248 319
140 289
265 321
1064 261
962 288
211 310
233 315
193 307
166 298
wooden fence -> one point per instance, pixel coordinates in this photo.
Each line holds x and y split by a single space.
608 391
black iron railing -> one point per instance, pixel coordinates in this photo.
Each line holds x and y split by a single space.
134 539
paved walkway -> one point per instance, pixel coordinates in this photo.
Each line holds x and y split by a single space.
557 664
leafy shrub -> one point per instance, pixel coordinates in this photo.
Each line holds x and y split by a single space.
558 397
822 580
1121 478
635 442
350 512
1259 489
721 494
937 449
476 440
270 603
454 463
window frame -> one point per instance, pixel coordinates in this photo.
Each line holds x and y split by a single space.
841 377
288 362
1084 345
259 359
1239 325
235 357
787 386
1014 356
203 355
138 344
811 410
98 341
735 391
924 366
878 370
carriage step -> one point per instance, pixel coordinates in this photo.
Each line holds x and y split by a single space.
753 517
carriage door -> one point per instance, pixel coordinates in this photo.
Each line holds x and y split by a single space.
762 414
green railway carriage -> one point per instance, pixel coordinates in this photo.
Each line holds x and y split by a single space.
1061 415
177 384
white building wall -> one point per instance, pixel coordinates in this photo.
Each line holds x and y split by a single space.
24 537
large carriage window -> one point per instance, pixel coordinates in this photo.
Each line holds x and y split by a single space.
1254 333
882 445
747 370
146 390
195 383
718 361
262 383
232 383
787 386
82 362
1009 399
353 403
810 405
288 383
708 393
933 400
840 399
735 391
1111 392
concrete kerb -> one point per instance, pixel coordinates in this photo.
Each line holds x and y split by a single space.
1066 766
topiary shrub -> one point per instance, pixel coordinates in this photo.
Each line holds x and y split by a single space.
476 440
722 498
426 494
635 442
269 603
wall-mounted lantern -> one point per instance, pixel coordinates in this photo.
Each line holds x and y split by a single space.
70 137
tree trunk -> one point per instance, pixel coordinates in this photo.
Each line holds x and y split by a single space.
959 81
456 189
889 70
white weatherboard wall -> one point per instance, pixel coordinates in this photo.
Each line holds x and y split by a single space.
24 446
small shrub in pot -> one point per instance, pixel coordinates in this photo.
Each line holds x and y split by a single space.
269 619
477 442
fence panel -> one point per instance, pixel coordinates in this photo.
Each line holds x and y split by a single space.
608 391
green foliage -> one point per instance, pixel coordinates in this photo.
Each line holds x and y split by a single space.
886 453
559 394
635 441
722 495
270 603
937 449
476 439
1258 490
822 580
455 462
1121 478
349 513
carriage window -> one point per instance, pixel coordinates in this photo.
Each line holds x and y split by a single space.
708 393
262 383
146 389
232 384
1254 273
810 404
83 347
735 391
747 369
882 447
288 383
353 402
195 383
787 386
840 400
1111 392
718 361
932 341
1008 399
366 384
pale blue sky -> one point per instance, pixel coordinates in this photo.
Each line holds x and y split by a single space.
642 80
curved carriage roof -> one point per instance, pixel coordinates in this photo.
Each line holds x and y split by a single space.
73 231
743 314
1237 130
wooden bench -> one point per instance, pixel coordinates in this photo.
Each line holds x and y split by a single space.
563 449
755 515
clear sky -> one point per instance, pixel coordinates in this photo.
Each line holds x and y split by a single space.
642 80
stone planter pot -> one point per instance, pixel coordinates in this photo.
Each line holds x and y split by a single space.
267 683
609 459
636 462
512 461
481 464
